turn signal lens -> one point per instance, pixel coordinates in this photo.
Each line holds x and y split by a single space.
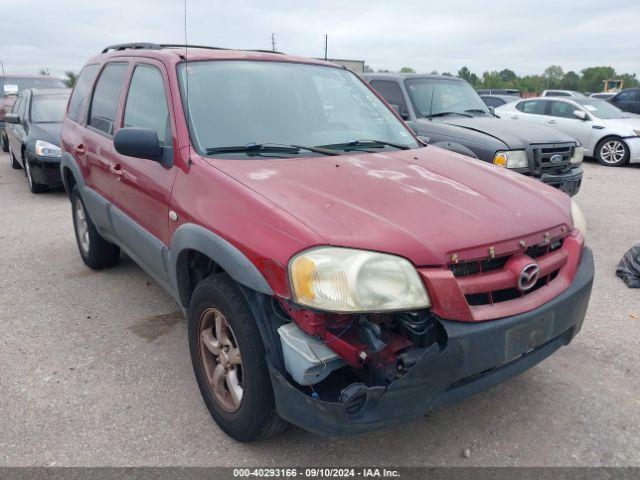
501 159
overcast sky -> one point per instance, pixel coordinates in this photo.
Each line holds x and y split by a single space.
525 36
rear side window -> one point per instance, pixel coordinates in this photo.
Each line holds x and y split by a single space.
81 92
535 107
147 102
628 96
391 92
104 104
493 101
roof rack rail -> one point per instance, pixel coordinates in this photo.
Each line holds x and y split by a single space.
133 46
182 45
156 46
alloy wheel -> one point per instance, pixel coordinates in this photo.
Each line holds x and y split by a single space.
82 227
221 359
612 151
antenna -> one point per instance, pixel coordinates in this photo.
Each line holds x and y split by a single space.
186 81
273 42
326 42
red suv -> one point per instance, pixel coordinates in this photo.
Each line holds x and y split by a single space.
337 273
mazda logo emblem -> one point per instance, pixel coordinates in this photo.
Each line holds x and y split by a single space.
528 277
556 158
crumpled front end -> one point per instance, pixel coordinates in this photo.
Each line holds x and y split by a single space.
395 367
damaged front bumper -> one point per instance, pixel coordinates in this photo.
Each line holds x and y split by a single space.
477 356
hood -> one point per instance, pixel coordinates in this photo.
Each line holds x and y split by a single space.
515 135
421 204
49 132
623 126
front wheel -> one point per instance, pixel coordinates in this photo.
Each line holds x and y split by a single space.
229 362
95 251
613 152
4 143
34 187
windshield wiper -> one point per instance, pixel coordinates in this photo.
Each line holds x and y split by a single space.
446 114
477 110
356 144
259 148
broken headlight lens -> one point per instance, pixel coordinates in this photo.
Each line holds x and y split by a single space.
511 159
348 280
579 221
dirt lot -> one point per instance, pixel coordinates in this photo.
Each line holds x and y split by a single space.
95 370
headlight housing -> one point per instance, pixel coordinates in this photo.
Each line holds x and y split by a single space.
579 222
578 155
46 149
511 159
347 280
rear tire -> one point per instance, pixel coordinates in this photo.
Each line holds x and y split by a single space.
241 400
613 152
95 251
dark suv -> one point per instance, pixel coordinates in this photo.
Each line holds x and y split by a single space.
451 114
336 272
10 86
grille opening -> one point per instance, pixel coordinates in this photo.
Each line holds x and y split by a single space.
486 265
542 157
483 266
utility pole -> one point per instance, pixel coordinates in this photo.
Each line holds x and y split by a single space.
326 41
2 63
273 42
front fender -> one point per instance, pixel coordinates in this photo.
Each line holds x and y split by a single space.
195 237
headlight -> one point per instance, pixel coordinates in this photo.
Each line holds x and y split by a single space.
46 149
579 221
347 280
637 132
578 155
511 159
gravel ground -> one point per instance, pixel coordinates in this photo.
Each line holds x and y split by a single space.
95 370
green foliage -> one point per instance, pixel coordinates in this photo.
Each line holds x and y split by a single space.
588 80
407 70
71 78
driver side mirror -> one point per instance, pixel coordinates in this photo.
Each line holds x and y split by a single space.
12 118
138 143
400 111
581 115
492 110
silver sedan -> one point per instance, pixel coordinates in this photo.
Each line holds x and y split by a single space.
605 132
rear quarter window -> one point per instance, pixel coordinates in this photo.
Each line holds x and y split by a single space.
81 92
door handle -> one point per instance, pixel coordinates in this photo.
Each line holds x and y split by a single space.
80 149
116 170
514 117
552 122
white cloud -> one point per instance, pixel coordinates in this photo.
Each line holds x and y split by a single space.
525 36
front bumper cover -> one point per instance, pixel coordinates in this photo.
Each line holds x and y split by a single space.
45 170
568 183
477 356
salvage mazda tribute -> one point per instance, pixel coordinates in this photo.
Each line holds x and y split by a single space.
337 273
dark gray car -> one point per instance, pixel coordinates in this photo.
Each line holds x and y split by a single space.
451 115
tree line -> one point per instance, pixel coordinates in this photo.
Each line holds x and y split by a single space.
587 80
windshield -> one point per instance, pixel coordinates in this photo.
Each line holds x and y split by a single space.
239 103
48 108
12 85
601 108
437 96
